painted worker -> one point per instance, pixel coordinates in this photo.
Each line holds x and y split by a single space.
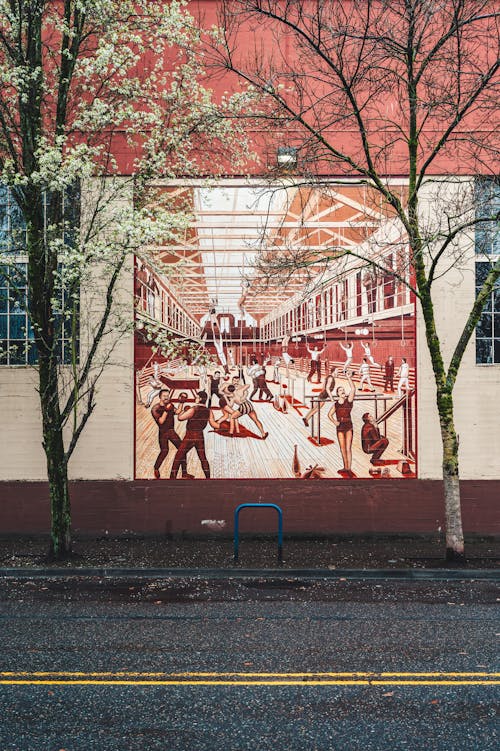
364 376
215 383
226 396
404 374
325 395
348 355
163 413
240 405
196 416
340 415
371 441
287 358
369 356
156 385
257 373
315 368
389 374
276 370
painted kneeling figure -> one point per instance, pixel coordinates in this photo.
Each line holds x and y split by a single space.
372 442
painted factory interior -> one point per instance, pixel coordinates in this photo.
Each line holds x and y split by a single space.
309 372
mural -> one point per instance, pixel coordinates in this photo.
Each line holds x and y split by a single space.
275 338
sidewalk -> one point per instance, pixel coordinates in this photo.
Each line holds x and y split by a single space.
302 555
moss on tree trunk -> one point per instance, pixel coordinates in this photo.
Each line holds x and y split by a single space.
42 267
57 470
454 532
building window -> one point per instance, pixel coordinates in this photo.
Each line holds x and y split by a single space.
17 345
487 242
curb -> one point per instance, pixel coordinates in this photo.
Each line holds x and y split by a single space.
413 575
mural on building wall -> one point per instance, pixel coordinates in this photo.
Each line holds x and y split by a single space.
275 338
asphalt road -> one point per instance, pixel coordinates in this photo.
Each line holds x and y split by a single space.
333 666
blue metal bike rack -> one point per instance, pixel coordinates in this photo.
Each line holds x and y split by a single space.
258 505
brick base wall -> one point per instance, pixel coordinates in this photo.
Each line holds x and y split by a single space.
309 507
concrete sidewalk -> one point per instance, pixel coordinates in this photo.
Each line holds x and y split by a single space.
411 558
278 574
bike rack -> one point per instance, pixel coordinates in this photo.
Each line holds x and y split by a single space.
258 505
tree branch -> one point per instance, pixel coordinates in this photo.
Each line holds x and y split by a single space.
451 235
84 373
472 321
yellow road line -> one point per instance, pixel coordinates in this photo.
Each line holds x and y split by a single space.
248 674
126 678
286 682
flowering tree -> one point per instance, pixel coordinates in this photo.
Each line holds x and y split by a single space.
379 88
81 79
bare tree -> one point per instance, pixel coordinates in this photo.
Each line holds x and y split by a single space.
377 89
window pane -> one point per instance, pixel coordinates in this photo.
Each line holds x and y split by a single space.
32 354
482 271
487 198
17 326
17 353
483 351
484 327
17 302
487 306
497 350
4 224
68 323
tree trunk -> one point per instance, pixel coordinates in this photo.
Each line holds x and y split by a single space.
57 469
454 533
444 399
42 214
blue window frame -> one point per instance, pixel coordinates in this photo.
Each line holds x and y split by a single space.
487 242
17 345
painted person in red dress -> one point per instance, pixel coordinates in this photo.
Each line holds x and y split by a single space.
340 415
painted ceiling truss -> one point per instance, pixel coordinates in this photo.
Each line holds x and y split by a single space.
233 225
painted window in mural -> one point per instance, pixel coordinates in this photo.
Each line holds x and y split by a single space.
275 337
487 252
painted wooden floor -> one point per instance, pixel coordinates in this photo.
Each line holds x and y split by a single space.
248 456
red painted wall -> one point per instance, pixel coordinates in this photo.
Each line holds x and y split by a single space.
265 140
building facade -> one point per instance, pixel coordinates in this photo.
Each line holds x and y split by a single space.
276 353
